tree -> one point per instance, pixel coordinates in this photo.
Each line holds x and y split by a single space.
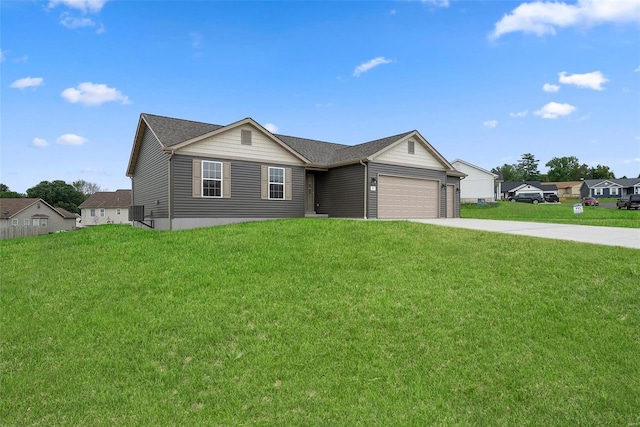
564 169
85 187
528 167
508 172
600 172
59 194
5 193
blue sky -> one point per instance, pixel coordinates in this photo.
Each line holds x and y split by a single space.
482 81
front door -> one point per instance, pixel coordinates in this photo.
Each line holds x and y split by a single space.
311 194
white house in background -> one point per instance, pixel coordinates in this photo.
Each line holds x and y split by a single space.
106 207
478 184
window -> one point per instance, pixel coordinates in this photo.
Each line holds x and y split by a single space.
245 137
597 191
14 222
43 222
102 212
613 191
211 179
36 222
118 211
26 222
412 147
93 212
276 183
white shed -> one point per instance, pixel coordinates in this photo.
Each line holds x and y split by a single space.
478 184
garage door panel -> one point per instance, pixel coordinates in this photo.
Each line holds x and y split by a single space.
400 198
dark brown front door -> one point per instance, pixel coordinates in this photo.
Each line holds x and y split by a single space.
311 194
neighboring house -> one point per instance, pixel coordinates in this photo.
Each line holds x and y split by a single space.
510 189
603 188
567 188
106 207
187 174
21 217
479 184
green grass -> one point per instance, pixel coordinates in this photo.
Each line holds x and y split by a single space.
561 213
317 322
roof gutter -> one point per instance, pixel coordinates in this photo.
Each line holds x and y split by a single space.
366 174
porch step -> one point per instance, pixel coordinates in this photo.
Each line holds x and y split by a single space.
315 215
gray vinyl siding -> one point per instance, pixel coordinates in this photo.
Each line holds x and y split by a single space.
452 180
340 192
379 168
245 200
150 178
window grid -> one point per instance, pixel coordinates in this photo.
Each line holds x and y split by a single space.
276 183
211 179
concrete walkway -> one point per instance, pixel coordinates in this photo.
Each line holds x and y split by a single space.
612 236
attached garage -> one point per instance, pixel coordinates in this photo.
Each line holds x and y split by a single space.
400 198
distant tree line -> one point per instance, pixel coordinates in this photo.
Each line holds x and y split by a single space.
560 169
57 193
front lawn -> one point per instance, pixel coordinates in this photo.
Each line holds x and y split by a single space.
561 213
317 322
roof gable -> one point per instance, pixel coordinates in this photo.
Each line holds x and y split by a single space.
225 142
461 165
13 206
424 155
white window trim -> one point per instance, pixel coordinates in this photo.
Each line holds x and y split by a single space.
597 191
283 183
212 179
118 211
614 191
43 222
14 222
26 222
102 212
92 212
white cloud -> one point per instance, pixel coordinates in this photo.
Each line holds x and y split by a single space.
71 139
519 114
437 3
88 93
636 160
72 22
637 70
593 80
327 105
490 124
39 142
196 40
271 127
542 18
86 6
550 88
2 56
366 66
553 110
27 82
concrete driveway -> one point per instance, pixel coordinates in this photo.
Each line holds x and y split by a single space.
612 236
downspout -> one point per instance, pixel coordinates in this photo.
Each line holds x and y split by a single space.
171 153
366 175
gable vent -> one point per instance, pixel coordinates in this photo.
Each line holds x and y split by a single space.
245 137
412 147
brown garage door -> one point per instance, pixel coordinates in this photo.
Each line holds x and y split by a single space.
400 198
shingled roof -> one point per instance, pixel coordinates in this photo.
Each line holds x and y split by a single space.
12 206
108 199
171 132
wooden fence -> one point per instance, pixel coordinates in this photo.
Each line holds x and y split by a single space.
21 231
